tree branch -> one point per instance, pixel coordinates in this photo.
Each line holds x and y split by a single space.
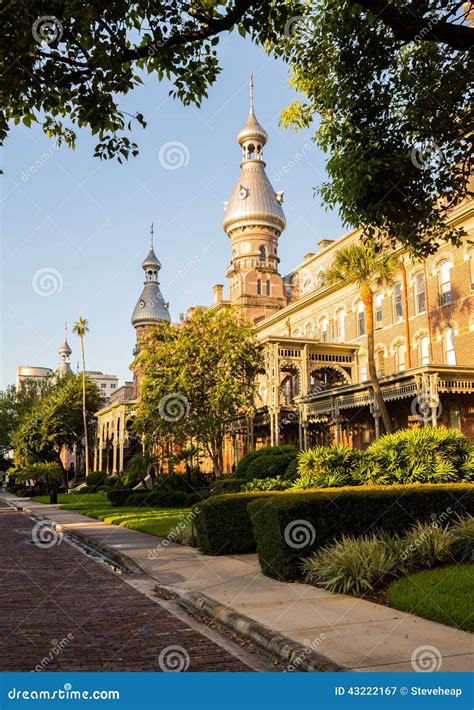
406 27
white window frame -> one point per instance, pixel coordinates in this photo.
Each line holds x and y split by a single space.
449 347
419 293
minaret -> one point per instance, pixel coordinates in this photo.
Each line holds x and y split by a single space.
151 307
64 367
253 221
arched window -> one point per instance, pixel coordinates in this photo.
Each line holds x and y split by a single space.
444 280
448 347
341 325
323 329
401 357
263 253
360 318
424 349
308 330
251 151
419 293
363 369
267 288
259 287
397 303
378 309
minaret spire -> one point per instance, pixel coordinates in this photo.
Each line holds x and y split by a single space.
251 92
151 235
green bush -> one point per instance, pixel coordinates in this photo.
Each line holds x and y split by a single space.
410 456
427 544
267 484
226 485
242 469
95 480
463 539
119 496
269 466
292 470
223 524
351 564
320 518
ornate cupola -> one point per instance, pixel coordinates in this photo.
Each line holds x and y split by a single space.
254 220
151 308
64 367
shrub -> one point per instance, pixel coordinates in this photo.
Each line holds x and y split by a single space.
226 485
420 456
291 471
463 538
352 564
95 480
242 468
326 515
223 524
427 544
269 466
327 466
268 484
119 496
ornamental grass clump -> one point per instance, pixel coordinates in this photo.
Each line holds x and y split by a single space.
463 539
352 564
426 545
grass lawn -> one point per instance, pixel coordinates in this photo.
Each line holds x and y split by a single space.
443 595
155 521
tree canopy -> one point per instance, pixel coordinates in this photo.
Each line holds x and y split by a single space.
390 88
194 377
54 421
387 82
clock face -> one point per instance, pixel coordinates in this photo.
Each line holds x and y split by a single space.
142 303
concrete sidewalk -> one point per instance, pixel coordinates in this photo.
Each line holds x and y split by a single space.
308 627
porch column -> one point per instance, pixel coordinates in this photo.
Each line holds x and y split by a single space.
272 438
277 428
114 458
95 457
101 448
300 428
337 422
121 455
305 435
251 433
434 400
377 425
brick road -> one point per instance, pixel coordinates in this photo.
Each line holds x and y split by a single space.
63 612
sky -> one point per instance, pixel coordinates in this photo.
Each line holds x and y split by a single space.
76 229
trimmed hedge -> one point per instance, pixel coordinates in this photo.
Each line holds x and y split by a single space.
242 470
226 485
270 466
323 516
223 525
118 496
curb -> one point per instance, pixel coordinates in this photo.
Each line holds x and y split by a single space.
296 656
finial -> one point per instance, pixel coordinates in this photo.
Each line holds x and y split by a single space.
151 234
251 92
65 331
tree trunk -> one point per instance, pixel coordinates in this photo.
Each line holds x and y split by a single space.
217 455
368 297
63 470
84 411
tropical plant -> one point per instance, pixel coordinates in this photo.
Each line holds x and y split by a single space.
81 327
278 483
363 264
354 565
326 466
463 538
427 544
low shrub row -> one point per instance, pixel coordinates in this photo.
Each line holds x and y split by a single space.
296 524
154 498
223 525
357 565
226 485
267 462
285 527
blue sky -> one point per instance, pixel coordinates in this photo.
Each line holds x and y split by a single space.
79 227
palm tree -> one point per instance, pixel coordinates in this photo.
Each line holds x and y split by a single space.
364 265
81 327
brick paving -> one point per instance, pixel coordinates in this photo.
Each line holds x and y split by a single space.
61 611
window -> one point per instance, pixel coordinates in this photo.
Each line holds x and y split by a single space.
424 346
420 298
103 385
323 328
267 288
363 369
259 287
400 357
341 325
471 268
397 303
448 347
444 276
380 363
378 310
308 330
360 318
263 253
321 279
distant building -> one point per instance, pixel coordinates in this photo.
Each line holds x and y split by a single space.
28 373
107 384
